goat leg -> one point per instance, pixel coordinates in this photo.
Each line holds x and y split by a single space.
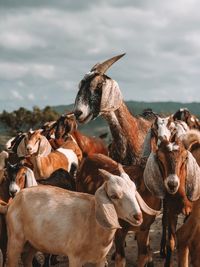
183 255
119 254
28 255
144 253
164 231
171 238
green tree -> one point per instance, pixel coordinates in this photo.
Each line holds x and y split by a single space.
23 119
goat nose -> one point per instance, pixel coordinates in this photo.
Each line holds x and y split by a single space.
29 148
78 113
172 184
138 216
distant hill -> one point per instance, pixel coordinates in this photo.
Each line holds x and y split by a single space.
138 107
100 126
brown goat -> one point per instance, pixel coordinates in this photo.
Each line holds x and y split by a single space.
172 173
4 199
100 95
188 236
65 157
66 125
185 115
88 180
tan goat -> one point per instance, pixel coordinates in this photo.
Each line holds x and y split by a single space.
82 225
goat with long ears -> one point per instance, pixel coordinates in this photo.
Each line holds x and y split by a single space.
100 95
83 236
173 174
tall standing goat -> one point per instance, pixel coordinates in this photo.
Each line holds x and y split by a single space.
100 95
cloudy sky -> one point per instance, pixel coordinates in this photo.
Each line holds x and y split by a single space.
47 46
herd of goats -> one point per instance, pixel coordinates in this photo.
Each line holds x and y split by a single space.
64 193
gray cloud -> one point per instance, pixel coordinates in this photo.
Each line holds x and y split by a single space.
47 46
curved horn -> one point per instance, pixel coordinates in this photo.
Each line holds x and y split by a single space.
120 168
145 207
123 174
103 67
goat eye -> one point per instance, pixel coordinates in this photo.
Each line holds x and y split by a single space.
114 197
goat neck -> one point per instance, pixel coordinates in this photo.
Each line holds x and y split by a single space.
128 134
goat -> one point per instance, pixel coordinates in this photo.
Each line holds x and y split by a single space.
66 125
65 157
34 143
172 174
48 129
100 95
84 236
185 115
191 141
4 199
188 236
20 176
88 180
13 143
163 129
18 144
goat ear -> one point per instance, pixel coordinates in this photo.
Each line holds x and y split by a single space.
192 179
105 174
30 178
105 212
147 144
153 178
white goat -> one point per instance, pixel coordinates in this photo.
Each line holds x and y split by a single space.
77 225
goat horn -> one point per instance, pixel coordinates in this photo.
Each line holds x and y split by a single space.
123 174
120 168
145 207
103 67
